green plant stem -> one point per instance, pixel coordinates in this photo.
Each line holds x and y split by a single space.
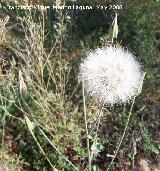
86 129
124 132
4 122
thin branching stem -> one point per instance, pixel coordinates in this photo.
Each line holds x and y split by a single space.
98 117
86 129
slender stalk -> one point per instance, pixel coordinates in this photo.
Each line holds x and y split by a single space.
133 159
134 152
98 118
4 121
96 125
124 132
86 128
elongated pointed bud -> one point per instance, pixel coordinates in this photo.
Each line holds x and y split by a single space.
22 85
115 28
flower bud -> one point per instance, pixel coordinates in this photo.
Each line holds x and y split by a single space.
22 85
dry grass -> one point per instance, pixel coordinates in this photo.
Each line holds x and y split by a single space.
3 28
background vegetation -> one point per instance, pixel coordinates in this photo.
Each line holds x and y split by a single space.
41 104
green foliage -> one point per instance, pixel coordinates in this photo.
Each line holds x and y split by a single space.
137 28
149 144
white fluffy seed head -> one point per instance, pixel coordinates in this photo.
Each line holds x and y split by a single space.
111 74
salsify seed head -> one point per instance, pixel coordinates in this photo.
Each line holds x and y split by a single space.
111 74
